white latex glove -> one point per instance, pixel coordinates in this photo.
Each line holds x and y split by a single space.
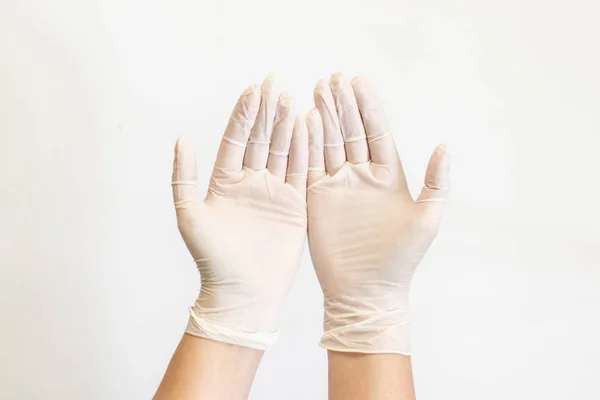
247 235
366 234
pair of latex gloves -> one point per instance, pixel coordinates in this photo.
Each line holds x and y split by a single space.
334 173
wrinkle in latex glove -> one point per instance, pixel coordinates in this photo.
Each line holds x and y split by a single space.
247 235
366 234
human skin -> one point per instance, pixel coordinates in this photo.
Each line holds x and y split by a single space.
355 376
205 369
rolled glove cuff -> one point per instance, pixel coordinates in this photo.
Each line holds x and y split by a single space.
366 326
233 335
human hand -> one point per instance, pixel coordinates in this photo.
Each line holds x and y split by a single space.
246 236
366 233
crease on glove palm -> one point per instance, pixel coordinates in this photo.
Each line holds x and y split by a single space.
366 233
247 235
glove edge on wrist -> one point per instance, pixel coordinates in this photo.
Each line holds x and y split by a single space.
366 329
394 339
240 337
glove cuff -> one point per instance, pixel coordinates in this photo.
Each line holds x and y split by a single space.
370 326
228 334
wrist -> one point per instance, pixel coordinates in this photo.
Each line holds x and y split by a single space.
370 376
367 324
234 319
203 368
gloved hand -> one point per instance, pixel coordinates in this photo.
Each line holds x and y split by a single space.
366 234
247 235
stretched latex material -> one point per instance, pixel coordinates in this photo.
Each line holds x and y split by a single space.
246 236
366 234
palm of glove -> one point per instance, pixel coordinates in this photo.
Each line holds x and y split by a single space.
366 235
247 235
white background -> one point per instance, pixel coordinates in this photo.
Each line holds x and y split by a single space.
95 281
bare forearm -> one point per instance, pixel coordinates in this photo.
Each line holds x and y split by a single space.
206 369
354 376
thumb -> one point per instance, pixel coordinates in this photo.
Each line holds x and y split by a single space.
437 181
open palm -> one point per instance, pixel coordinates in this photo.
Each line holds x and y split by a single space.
366 233
246 236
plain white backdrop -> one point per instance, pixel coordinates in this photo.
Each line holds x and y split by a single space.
95 281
